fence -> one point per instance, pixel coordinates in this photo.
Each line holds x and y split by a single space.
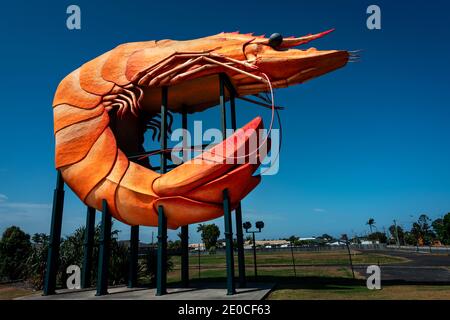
271 262
298 261
422 249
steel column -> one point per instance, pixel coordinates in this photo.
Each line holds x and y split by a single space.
228 243
223 107
161 274
104 251
199 261
233 109
184 229
164 94
254 257
238 211
185 256
240 247
184 126
55 236
89 232
226 200
133 260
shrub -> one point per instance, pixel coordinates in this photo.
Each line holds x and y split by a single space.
15 247
151 265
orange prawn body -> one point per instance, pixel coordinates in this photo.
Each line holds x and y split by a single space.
88 156
100 111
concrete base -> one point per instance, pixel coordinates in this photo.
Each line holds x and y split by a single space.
208 291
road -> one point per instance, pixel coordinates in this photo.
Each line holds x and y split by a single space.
423 268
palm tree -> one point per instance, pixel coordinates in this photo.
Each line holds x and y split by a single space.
371 223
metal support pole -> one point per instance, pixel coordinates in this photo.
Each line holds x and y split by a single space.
226 200
184 229
104 251
164 94
185 256
184 126
229 243
254 256
89 232
238 211
134 250
55 236
199 261
240 247
161 274
223 108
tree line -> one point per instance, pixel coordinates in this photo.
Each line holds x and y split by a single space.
424 231
24 257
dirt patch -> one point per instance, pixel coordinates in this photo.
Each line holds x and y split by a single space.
8 292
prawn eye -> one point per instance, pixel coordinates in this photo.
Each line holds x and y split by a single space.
275 40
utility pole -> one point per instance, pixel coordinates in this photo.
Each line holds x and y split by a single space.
347 243
293 258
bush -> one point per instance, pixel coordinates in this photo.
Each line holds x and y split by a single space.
151 265
21 258
71 253
378 236
37 261
15 247
118 263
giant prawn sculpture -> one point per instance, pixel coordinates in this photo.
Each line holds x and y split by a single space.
101 111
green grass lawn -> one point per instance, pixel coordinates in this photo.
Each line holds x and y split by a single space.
265 274
318 275
284 259
347 289
279 264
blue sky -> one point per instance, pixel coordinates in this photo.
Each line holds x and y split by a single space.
369 140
